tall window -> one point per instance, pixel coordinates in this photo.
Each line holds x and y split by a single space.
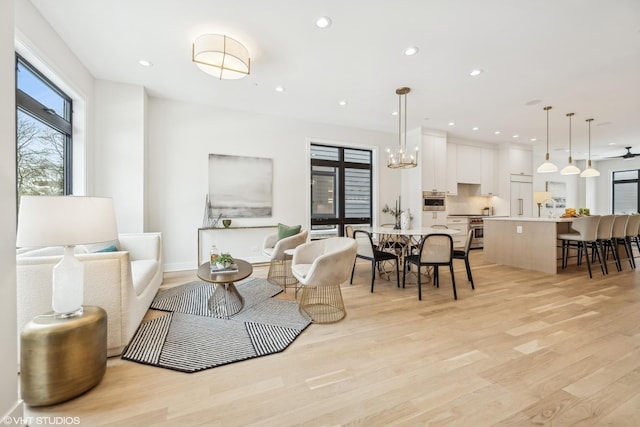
625 192
341 188
43 134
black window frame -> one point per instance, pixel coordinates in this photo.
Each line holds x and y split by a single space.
34 108
625 181
342 165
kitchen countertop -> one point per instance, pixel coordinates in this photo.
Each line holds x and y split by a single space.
527 219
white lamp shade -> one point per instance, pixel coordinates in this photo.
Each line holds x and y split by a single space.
547 167
221 56
570 169
65 221
589 172
541 196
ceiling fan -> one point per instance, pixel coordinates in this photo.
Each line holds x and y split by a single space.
627 155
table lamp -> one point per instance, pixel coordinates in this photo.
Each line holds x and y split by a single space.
539 197
66 221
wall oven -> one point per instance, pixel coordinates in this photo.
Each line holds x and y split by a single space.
433 201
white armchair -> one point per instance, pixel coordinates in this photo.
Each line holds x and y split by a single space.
321 266
279 267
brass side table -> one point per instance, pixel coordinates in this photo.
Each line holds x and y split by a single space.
61 358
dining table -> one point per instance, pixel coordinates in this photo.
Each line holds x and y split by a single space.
404 242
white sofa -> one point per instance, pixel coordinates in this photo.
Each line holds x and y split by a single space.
123 283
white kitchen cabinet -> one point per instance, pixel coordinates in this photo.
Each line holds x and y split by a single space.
452 170
434 162
469 164
521 196
460 223
520 161
489 172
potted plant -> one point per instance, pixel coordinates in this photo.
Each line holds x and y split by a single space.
224 260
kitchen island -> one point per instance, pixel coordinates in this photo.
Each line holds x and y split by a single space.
529 243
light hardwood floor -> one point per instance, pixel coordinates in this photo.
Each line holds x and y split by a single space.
524 348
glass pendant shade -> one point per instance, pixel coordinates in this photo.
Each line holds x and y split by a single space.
400 158
570 169
547 166
589 171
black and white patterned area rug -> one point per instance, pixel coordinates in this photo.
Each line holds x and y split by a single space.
190 338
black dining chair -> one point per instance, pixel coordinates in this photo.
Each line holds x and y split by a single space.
436 250
367 250
464 255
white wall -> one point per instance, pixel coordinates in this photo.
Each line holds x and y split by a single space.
181 136
9 402
119 167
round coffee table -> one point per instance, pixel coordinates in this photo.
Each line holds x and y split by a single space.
226 300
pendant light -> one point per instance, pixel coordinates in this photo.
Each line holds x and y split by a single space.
547 166
589 171
399 158
570 169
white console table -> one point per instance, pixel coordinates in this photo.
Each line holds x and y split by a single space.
242 242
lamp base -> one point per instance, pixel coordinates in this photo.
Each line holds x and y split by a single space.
68 285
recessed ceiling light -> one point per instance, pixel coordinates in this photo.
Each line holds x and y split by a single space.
410 51
395 113
497 132
611 143
475 72
145 63
533 102
516 135
342 103
534 139
279 89
603 124
475 128
323 22
451 123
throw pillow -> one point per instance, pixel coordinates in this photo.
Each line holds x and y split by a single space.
110 248
287 231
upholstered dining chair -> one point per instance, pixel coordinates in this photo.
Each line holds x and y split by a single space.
464 255
279 247
368 251
583 236
321 266
436 250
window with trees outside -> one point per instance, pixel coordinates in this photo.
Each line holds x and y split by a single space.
341 189
43 134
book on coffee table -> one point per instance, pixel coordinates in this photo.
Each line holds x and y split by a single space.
233 268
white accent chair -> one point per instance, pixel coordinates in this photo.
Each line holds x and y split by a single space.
123 283
321 266
279 253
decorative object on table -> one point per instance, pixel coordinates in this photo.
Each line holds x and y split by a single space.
570 169
66 221
221 56
223 261
539 197
62 358
399 158
214 253
226 223
209 220
264 326
397 214
584 212
240 187
405 219
590 171
547 166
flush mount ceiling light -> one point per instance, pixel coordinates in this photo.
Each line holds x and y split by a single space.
399 158
145 63
570 169
589 171
547 166
221 56
475 72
